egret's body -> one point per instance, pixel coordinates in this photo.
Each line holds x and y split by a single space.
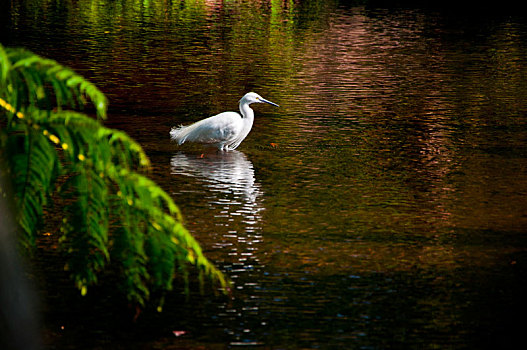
225 130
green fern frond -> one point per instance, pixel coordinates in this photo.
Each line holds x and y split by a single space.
126 151
5 65
34 167
85 226
81 136
36 81
129 254
113 214
171 238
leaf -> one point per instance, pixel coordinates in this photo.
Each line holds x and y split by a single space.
86 228
33 162
5 65
67 88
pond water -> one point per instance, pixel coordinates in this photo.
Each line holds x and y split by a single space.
383 205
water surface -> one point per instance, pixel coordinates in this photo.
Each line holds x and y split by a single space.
383 205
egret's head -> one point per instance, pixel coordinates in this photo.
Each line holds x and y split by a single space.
252 97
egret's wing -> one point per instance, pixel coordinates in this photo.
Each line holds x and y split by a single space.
219 128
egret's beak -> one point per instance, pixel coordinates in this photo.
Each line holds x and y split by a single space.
271 103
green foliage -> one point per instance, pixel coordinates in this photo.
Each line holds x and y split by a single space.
113 214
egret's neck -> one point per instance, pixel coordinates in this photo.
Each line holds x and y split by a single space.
247 112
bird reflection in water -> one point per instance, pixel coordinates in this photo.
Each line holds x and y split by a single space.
234 198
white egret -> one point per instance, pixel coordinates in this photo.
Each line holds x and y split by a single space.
225 130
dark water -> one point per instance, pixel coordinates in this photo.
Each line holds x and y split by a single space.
383 205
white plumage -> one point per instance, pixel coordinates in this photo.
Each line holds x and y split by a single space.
225 130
